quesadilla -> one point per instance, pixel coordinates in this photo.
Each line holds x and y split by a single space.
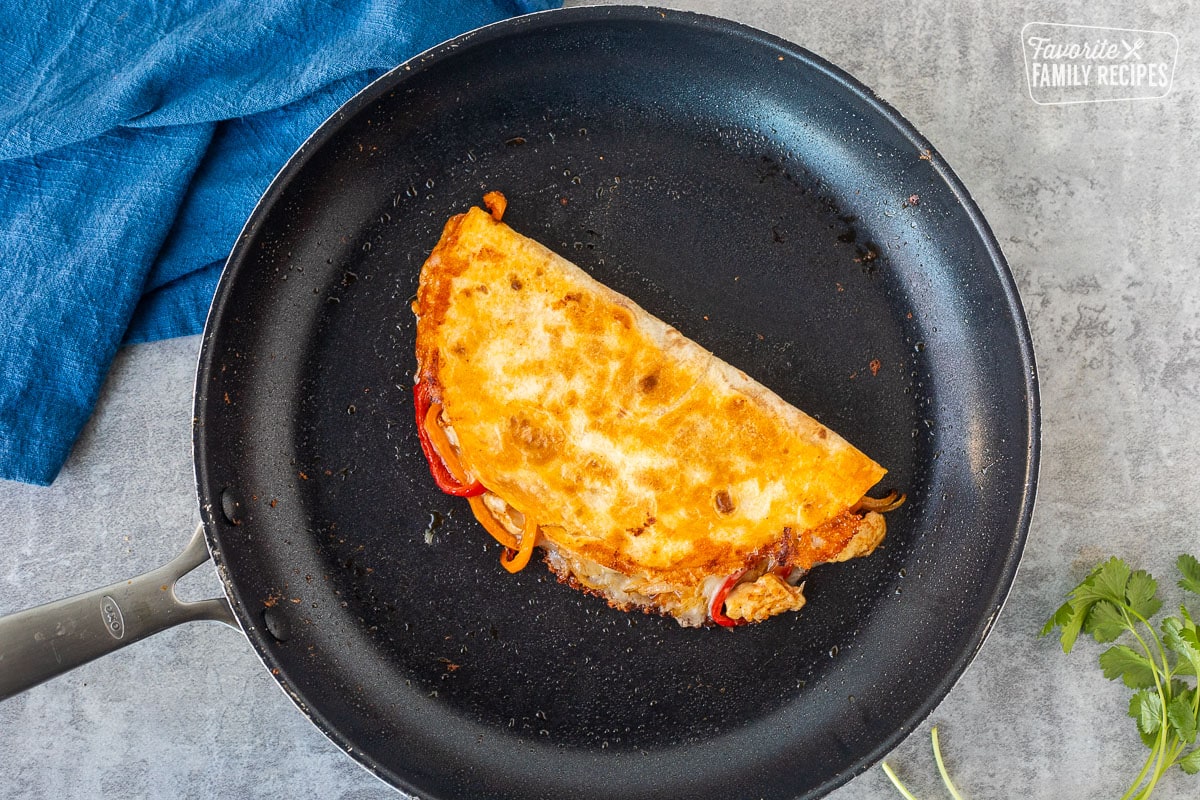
649 471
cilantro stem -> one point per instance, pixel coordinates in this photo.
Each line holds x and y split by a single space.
900 787
1173 755
1167 671
1158 771
937 755
1160 746
1196 699
1141 775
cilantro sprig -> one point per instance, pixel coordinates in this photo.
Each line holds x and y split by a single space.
1115 601
937 755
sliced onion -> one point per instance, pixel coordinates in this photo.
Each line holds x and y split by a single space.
881 504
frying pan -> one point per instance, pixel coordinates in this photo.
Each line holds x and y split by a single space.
747 192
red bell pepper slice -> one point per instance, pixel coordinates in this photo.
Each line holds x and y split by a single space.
717 609
442 476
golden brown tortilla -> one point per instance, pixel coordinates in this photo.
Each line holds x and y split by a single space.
653 470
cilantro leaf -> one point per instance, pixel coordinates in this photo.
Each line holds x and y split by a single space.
1150 712
1189 568
1071 615
1172 628
1087 592
1131 667
1104 622
1182 641
1183 721
1070 619
1192 639
1191 762
1185 666
1135 711
1109 582
1058 619
1140 594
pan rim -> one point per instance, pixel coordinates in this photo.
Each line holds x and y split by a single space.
204 448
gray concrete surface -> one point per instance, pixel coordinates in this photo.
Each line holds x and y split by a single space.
1097 210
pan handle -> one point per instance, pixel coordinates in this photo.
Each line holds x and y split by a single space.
41 643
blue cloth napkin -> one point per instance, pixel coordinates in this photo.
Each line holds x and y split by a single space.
135 138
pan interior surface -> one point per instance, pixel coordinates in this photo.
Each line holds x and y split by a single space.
753 197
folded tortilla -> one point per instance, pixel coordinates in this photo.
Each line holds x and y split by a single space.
650 471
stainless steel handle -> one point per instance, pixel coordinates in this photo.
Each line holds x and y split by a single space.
41 643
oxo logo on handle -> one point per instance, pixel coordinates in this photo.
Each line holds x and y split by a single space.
114 621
